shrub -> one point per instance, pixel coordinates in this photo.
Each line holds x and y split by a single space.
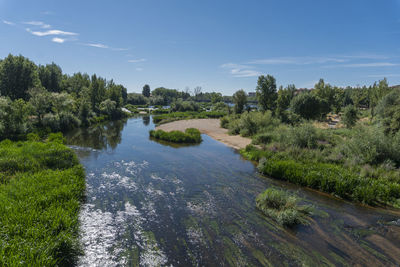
262 138
190 135
282 207
303 136
350 116
309 106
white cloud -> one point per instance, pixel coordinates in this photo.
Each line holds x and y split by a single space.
240 71
297 60
137 60
58 40
120 49
366 65
51 32
8 22
97 45
38 23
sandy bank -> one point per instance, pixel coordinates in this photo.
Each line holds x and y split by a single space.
210 127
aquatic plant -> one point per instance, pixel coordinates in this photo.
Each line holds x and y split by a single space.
191 135
283 207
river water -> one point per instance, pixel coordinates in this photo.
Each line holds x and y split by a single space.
158 204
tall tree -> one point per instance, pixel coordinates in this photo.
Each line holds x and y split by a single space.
240 100
50 76
266 92
17 75
146 90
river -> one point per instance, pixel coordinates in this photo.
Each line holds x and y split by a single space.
158 204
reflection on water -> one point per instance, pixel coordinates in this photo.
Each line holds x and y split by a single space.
151 204
146 120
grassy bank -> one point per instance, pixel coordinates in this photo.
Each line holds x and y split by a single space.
190 135
174 116
42 186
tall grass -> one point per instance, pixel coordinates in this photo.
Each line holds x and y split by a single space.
283 208
42 185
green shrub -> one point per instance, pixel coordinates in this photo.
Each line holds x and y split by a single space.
174 116
304 135
262 138
190 135
282 207
350 116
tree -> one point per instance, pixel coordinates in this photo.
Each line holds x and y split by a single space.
266 92
40 102
285 95
308 106
50 76
197 90
350 116
240 100
146 90
97 92
376 93
17 75
216 97
13 118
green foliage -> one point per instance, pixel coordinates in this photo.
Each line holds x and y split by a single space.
283 207
370 145
50 77
262 138
146 90
333 179
309 106
350 116
137 99
388 111
40 195
251 123
190 135
240 100
17 75
181 106
14 118
304 136
266 92
285 96
174 116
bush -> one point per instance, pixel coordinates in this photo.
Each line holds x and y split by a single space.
251 123
262 138
350 116
304 136
174 116
190 135
282 207
309 106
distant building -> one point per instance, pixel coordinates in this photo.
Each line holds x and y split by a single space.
251 94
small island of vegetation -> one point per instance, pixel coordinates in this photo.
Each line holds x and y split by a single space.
190 135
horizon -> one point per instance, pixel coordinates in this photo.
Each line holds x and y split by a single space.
220 46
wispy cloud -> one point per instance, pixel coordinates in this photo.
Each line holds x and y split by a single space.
58 40
297 60
366 65
97 45
137 60
240 70
51 32
8 22
38 23
120 49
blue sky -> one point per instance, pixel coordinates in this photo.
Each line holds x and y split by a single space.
219 45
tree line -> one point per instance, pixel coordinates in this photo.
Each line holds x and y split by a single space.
42 97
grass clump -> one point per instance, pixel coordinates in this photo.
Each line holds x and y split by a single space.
283 207
41 188
191 135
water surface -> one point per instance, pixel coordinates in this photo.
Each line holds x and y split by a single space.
153 204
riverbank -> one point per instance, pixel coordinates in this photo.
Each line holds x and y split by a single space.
210 127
